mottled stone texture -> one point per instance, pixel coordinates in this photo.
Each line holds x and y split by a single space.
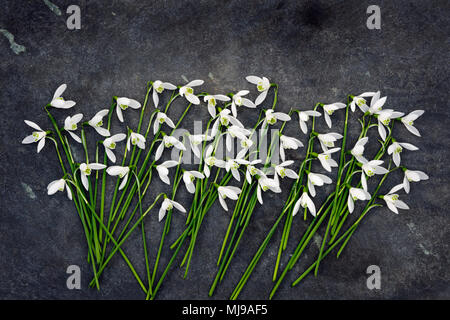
317 51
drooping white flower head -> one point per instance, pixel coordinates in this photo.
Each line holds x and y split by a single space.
361 102
263 86
163 170
59 185
288 143
233 165
377 103
384 118
282 171
413 176
327 140
212 102
187 91
358 150
234 131
356 194
136 139
317 179
97 122
195 140
36 136
168 142
71 124
325 159
303 117
158 88
371 168
211 160
110 144
58 101
397 147
246 144
86 170
225 119
393 202
252 170
272 117
305 202
189 178
265 183
162 118
238 101
227 192
123 104
409 119
168 205
120 171
329 109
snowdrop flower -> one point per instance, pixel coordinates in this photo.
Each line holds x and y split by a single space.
195 140
58 101
163 170
136 139
187 91
37 136
397 147
235 132
358 149
97 121
239 101
326 161
305 202
384 118
288 143
246 144
371 168
161 118
189 177
282 171
413 175
212 102
393 202
122 172
225 119
327 140
86 170
272 117
59 185
71 124
409 119
376 103
210 161
233 165
123 104
356 194
361 102
168 142
227 192
264 184
329 109
168 205
252 170
317 179
158 88
303 117
110 144
262 84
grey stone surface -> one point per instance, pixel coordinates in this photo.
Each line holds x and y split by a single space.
317 51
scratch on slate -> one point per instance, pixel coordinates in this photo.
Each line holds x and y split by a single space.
15 47
211 76
53 7
28 191
318 240
184 78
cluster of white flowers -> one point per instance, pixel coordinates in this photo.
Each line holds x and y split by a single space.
226 116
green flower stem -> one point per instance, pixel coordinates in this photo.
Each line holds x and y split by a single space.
117 245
